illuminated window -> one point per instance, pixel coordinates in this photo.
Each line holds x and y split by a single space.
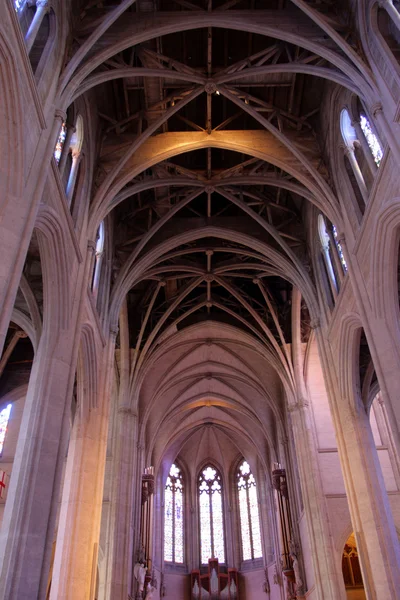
372 140
60 142
173 516
249 515
212 538
18 4
339 248
4 418
98 258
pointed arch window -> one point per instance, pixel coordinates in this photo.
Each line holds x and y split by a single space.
249 513
4 418
173 516
212 535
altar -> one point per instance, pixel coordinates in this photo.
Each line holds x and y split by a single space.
214 582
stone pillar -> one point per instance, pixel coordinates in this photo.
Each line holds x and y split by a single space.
18 214
42 7
121 547
369 506
75 562
32 485
327 584
323 551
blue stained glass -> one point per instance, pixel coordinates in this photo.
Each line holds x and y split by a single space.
212 537
4 418
18 4
173 516
249 513
339 248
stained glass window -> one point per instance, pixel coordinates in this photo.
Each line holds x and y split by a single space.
249 514
212 538
173 516
372 140
60 142
4 418
339 248
18 4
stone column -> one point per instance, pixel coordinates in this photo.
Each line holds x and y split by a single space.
369 506
42 7
327 584
75 562
18 214
33 485
119 581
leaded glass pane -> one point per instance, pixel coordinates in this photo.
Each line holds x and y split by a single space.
218 527
244 524
205 527
179 524
339 248
255 522
372 140
4 418
173 516
249 514
60 142
212 538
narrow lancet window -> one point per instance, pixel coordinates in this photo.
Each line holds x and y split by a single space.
173 517
249 514
212 538
4 418
372 140
60 142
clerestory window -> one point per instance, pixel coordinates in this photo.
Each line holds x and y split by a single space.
4 418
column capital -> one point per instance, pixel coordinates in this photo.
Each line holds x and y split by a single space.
126 410
315 323
114 330
376 109
45 4
297 406
60 114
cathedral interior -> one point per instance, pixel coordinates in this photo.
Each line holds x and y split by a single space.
199 285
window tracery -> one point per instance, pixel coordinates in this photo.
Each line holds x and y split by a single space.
249 513
4 418
173 516
212 535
